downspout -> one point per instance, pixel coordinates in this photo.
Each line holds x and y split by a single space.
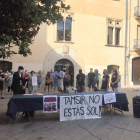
125 46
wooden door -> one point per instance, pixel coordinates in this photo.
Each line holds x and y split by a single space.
136 71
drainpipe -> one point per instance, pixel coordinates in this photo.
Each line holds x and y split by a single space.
125 46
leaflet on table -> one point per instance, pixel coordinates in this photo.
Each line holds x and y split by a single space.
49 104
109 98
27 94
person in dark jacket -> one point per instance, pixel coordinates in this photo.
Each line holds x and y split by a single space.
80 81
17 81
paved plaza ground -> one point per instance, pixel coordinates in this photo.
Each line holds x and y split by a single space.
48 126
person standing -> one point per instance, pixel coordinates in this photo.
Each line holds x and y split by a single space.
119 82
80 81
24 83
6 78
52 79
1 83
91 78
58 80
114 81
47 82
66 81
97 75
31 88
17 81
39 79
105 80
10 80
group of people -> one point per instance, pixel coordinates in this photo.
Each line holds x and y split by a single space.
18 82
93 80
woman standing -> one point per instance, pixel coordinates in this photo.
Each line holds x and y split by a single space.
10 80
30 86
105 80
39 80
47 82
114 81
24 83
66 81
119 82
97 75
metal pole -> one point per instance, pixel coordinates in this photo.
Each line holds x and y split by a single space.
64 31
125 46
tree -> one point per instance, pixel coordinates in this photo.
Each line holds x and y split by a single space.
20 21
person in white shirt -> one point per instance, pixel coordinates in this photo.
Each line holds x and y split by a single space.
58 80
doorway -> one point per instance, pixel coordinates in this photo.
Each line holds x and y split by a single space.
136 71
64 65
5 66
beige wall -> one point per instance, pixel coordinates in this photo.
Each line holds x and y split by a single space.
134 22
89 31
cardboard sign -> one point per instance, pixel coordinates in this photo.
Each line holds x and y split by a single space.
109 98
80 107
49 104
34 81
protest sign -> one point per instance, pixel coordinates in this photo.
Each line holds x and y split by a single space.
80 107
49 104
109 98
34 81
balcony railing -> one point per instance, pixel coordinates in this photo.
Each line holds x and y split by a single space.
137 44
137 11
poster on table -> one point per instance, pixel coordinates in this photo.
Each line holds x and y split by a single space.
49 104
34 81
80 107
109 98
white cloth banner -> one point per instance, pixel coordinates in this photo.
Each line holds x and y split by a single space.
34 81
49 104
109 98
80 107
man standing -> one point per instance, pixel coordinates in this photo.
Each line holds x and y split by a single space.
91 78
80 81
52 79
1 83
58 80
17 81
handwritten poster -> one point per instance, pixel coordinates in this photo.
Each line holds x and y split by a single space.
80 107
34 81
109 98
49 104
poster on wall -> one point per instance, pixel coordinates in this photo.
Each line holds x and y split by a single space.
80 107
109 98
49 104
34 81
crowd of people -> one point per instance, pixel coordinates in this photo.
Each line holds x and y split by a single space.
18 82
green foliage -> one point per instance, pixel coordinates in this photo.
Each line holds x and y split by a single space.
20 21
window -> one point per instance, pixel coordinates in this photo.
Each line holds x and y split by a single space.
110 36
117 36
114 32
64 30
60 30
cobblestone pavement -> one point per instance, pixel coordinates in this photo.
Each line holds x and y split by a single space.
48 126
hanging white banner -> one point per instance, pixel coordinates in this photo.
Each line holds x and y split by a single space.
49 104
109 98
80 107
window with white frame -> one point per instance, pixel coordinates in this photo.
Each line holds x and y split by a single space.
64 29
114 32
